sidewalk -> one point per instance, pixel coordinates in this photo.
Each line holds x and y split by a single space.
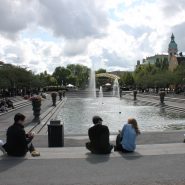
82 153
150 165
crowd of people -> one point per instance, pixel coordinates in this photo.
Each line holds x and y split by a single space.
5 104
18 142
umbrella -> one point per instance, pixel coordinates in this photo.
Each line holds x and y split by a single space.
107 84
70 85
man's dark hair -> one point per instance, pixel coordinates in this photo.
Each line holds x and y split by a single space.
19 117
96 119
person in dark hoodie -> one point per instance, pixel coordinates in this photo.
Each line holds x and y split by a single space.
99 137
18 143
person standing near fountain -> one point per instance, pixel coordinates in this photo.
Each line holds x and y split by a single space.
126 139
99 137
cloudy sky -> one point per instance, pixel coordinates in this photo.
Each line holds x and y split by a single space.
112 34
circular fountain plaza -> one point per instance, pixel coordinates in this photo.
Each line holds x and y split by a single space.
78 112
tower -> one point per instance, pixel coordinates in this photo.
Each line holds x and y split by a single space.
172 52
172 48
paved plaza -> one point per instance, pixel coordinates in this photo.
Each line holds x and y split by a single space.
158 160
74 166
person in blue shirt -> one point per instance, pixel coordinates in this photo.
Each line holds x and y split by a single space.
126 139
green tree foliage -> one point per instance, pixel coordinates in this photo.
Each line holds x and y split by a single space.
79 75
127 79
158 75
14 76
162 64
61 74
17 77
75 74
179 74
101 71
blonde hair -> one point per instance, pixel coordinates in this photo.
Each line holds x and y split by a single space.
134 124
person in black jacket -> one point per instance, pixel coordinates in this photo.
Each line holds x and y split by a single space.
99 137
18 142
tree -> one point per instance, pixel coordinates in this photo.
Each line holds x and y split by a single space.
158 63
162 64
46 79
71 80
101 71
165 64
179 74
14 76
151 76
127 79
79 75
61 74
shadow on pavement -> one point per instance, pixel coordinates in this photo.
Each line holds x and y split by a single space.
95 158
7 163
131 156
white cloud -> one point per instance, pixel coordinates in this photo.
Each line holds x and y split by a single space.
112 34
15 16
76 47
73 19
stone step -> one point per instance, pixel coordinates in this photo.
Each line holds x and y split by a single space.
82 153
45 118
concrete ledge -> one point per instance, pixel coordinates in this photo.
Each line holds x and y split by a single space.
82 153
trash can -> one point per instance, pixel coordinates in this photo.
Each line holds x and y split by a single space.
55 134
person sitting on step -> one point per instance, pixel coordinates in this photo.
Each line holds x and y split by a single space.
18 142
3 106
99 137
126 139
9 103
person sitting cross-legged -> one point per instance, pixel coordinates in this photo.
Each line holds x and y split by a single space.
99 137
18 142
126 139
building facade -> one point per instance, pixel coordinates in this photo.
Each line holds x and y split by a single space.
173 58
155 58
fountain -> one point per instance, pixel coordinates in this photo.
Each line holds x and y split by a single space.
116 89
101 92
101 95
92 84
